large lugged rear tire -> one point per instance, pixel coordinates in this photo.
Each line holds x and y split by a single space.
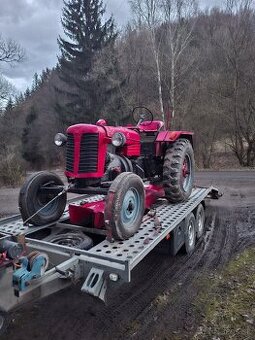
124 207
31 199
178 171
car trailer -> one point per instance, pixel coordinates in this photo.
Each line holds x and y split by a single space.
33 264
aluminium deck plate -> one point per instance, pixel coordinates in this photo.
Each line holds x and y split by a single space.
14 225
129 252
148 236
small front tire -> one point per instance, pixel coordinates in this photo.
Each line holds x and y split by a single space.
124 207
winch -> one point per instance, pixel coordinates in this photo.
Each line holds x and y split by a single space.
30 268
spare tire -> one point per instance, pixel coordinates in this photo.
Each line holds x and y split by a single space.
32 199
72 240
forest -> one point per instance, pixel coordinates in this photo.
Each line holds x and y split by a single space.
194 68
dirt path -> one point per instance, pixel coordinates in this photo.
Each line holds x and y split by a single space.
158 302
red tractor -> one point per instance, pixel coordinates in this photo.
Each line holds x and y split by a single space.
123 169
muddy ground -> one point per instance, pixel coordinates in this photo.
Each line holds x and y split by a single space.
159 302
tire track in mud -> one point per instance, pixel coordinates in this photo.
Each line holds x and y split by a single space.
222 242
215 250
166 274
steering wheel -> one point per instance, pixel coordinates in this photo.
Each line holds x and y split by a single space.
144 114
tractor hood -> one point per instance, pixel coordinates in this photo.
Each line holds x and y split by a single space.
131 135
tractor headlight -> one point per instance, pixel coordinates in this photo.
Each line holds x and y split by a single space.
118 139
60 139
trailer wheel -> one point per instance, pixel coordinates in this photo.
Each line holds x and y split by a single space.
200 220
32 199
178 171
124 207
190 233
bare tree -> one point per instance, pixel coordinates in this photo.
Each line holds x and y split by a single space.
10 51
6 88
149 16
238 51
179 22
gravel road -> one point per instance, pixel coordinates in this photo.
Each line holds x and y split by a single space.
158 303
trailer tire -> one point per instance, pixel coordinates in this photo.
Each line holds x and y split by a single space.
30 199
124 206
178 171
200 220
190 234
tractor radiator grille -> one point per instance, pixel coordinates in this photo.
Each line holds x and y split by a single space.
70 152
88 153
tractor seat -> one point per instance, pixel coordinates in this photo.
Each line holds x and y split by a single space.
155 125
148 133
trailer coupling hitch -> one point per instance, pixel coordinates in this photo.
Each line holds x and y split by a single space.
29 268
215 194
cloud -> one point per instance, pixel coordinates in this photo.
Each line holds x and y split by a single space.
120 10
35 25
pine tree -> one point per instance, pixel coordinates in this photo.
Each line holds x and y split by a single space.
9 105
36 82
87 35
45 76
30 140
20 98
27 93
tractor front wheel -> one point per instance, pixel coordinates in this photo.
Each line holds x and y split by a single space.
124 207
33 197
178 171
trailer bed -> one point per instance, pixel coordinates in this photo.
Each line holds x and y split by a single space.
104 262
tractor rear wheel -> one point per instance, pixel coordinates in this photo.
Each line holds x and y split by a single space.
32 198
124 207
178 171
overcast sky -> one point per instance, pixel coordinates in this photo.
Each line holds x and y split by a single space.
35 24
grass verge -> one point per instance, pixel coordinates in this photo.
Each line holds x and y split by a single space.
227 301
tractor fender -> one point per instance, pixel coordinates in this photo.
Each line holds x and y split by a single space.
172 136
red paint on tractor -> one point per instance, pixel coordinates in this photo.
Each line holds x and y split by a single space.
88 213
92 213
171 136
132 147
152 193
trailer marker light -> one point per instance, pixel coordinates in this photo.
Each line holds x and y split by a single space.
113 277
